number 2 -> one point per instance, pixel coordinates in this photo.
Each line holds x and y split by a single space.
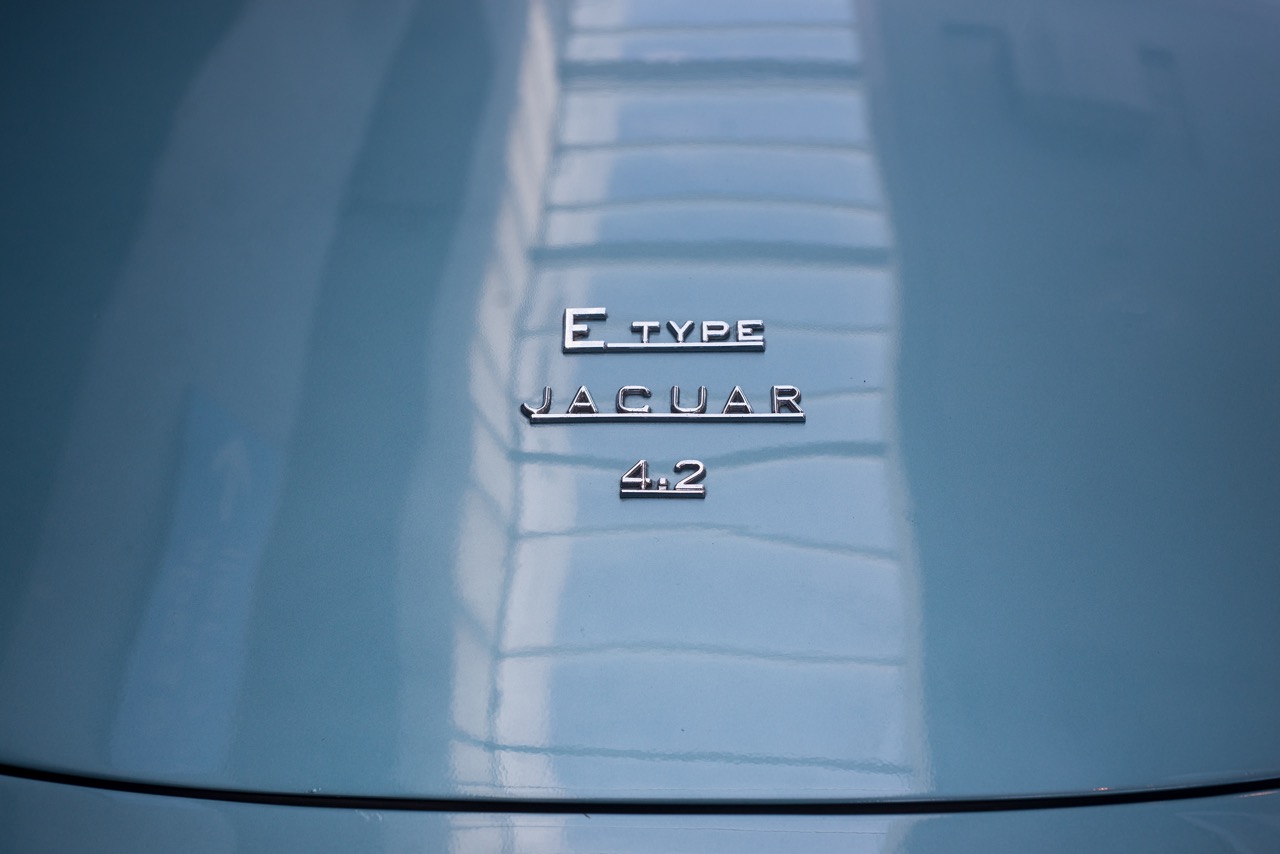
691 482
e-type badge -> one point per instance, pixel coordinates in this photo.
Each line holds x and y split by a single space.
717 336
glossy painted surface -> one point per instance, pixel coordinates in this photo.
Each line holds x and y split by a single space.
49 817
274 521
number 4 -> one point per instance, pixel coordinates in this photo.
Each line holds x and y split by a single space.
637 477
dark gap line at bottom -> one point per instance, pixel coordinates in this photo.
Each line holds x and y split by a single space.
528 806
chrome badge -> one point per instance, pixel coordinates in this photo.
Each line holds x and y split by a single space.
712 335
784 407
630 402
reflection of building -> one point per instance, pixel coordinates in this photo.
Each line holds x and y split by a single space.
186 382
687 155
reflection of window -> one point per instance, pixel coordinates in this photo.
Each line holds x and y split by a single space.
722 146
765 116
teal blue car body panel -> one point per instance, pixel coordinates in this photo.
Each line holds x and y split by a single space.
49 817
278 282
